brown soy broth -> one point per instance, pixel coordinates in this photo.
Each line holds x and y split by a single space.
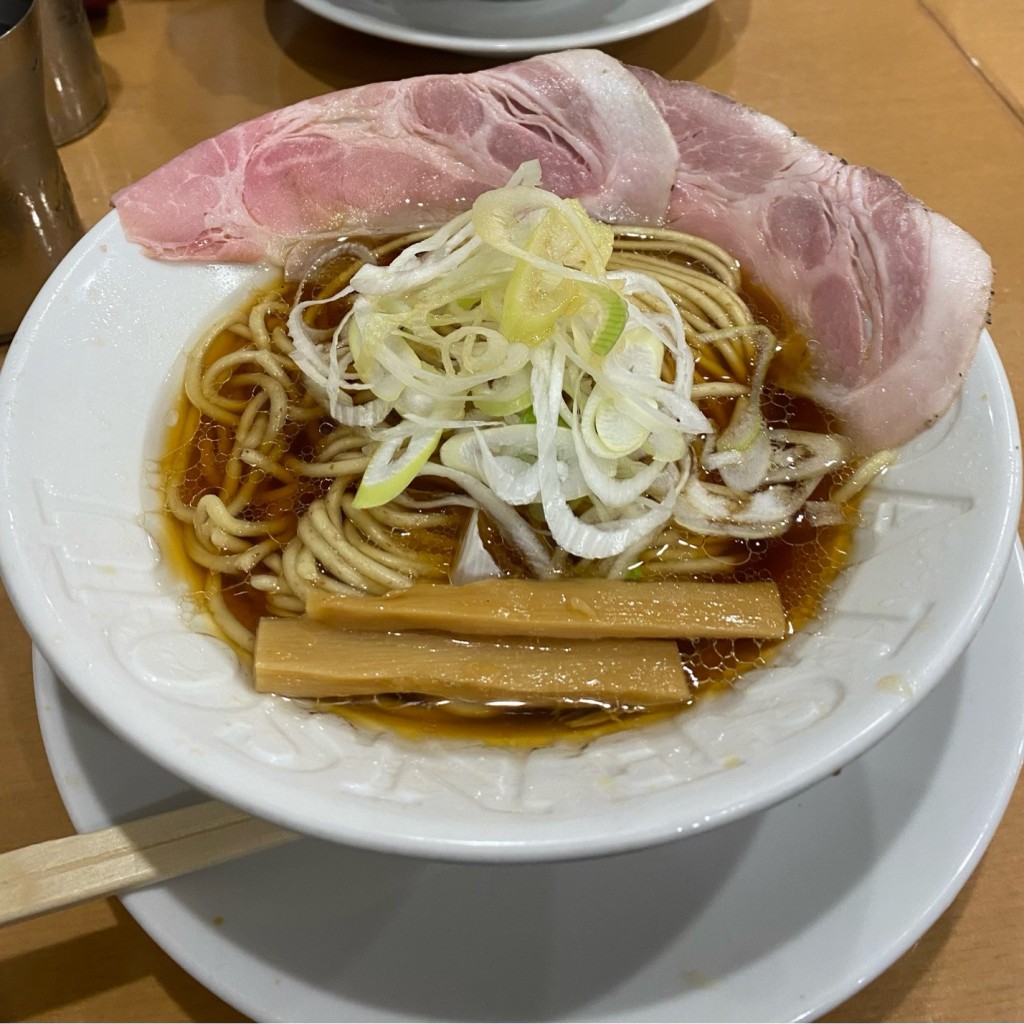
202 448
803 563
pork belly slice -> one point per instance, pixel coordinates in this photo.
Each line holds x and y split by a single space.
398 156
891 296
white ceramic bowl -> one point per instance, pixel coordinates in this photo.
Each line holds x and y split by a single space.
505 29
82 400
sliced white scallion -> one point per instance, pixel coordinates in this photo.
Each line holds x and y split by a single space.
393 466
502 354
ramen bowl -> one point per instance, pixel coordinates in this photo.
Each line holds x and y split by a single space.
84 400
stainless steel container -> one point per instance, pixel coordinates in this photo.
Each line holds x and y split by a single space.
76 94
38 219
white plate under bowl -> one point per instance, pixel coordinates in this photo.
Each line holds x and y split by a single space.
505 28
82 399
780 916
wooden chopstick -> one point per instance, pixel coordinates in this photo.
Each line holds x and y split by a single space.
62 872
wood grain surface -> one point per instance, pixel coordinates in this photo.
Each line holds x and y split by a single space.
927 91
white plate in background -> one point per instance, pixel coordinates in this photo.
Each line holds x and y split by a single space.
779 916
505 28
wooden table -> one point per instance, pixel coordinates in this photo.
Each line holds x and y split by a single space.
926 90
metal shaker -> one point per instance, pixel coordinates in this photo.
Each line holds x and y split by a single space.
76 94
38 219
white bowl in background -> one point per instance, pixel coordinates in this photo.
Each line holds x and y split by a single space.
505 29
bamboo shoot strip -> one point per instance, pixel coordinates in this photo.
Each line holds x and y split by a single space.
298 657
583 609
